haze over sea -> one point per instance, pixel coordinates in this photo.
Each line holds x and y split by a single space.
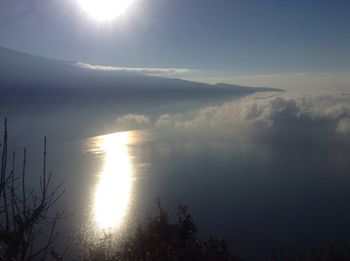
265 170
239 109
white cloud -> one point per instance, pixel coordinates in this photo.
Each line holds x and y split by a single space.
302 82
277 119
165 72
133 121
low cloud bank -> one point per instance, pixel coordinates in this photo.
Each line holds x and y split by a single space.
133 121
276 119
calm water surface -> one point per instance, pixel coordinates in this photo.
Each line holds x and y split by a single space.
115 189
260 197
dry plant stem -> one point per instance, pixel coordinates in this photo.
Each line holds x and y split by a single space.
29 230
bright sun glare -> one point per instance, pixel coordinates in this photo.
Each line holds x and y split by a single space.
113 191
104 10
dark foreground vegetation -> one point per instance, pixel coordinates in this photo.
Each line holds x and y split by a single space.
28 224
27 219
158 239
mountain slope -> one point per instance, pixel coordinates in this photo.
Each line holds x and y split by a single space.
29 78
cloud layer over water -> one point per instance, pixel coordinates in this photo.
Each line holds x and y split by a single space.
276 119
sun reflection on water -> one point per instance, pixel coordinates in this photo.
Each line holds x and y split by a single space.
113 192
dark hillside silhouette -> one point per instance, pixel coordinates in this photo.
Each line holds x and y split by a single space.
31 79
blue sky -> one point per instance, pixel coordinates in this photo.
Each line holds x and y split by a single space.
215 39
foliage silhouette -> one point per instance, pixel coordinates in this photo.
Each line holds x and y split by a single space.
27 226
160 239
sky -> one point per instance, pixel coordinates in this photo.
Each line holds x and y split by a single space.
254 42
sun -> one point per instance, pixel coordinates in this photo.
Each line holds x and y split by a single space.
104 10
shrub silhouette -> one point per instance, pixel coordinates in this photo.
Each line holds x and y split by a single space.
27 228
160 239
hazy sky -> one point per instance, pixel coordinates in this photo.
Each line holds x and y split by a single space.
216 39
